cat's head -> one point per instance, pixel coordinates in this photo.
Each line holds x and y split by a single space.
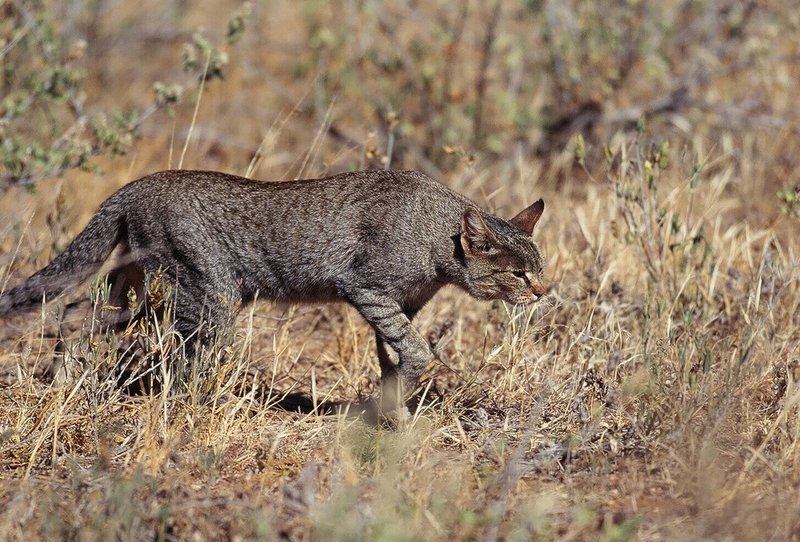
502 261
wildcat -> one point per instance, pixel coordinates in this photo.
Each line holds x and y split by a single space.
383 241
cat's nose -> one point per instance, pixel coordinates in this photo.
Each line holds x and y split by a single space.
538 289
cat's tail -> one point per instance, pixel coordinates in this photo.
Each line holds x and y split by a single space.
82 258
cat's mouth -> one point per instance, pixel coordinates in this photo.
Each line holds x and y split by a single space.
530 298
525 300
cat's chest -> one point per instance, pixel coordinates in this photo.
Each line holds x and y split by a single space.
417 294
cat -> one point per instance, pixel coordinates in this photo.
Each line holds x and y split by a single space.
383 241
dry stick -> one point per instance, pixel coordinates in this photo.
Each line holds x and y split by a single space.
389 148
196 108
171 146
297 158
312 151
255 161
486 58
29 22
257 156
271 136
348 148
333 131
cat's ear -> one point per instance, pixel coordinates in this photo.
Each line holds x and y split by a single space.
475 234
528 218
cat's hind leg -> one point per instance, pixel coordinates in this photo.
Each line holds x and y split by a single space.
113 310
202 315
202 305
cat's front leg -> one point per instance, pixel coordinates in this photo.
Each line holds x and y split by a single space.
393 327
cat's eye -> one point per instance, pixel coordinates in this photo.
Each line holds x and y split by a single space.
520 274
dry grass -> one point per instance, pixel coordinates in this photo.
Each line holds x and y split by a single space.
654 396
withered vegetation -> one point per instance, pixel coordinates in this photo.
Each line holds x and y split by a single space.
654 396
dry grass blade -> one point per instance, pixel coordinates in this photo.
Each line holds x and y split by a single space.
196 109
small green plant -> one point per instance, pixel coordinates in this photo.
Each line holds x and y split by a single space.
789 198
671 240
46 125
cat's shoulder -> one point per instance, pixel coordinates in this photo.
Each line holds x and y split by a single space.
412 175
417 181
384 180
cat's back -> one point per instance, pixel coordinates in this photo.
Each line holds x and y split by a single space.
376 184
409 200
179 182
387 193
